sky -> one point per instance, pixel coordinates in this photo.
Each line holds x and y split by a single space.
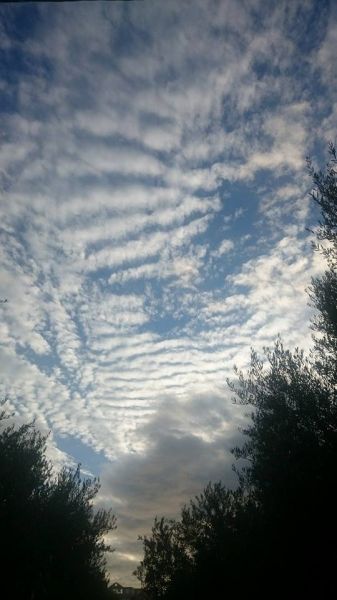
154 219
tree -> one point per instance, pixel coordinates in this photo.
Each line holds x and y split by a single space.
203 551
291 451
323 292
218 527
291 443
166 560
51 536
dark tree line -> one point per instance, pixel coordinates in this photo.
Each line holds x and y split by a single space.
276 534
51 544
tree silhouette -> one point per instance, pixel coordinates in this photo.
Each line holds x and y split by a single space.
51 536
291 444
291 450
323 291
191 558
217 526
166 561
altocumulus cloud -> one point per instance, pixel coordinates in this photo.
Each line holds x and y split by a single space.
154 206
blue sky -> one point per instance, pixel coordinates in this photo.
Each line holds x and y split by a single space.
154 213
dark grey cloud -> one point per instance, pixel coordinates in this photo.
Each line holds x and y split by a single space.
187 445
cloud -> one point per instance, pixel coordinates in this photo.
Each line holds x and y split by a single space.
179 460
225 246
153 224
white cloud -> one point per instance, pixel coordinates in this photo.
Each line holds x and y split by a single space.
225 246
122 165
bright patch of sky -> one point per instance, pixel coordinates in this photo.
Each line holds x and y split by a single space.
153 215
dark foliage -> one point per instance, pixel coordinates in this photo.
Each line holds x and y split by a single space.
166 559
276 534
203 552
51 536
324 194
291 452
323 291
